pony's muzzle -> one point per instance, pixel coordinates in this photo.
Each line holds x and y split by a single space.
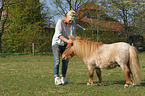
63 58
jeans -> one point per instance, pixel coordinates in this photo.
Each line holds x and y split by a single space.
57 52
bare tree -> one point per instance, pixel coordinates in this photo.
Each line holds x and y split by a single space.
139 19
123 10
63 6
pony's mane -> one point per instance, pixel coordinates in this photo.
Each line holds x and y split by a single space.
85 47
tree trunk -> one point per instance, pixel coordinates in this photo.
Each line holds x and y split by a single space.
0 44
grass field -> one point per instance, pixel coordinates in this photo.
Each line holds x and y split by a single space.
28 75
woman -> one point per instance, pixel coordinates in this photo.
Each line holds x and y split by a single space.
64 28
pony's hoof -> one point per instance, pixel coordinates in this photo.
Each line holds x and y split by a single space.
89 84
125 86
133 85
99 84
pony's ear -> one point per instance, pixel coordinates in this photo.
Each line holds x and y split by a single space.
72 37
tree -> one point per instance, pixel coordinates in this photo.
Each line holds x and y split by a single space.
139 19
4 10
27 22
63 6
49 21
122 10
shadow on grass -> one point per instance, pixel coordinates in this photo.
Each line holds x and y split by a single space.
142 84
109 83
2 56
106 83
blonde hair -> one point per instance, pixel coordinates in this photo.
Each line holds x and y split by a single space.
71 15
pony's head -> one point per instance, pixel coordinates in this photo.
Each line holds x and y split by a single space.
69 52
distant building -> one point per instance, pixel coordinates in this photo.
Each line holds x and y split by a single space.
93 17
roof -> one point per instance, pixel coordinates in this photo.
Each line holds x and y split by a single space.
90 6
107 24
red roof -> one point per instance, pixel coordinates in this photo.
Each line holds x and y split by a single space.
103 25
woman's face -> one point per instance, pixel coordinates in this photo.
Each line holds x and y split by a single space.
69 21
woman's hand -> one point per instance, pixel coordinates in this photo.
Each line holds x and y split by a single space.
66 40
69 41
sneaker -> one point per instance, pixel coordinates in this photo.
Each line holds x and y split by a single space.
57 81
64 81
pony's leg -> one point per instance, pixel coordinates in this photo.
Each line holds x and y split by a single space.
91 73
98 72
132 80
127 72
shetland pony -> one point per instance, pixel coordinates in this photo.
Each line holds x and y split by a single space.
97 55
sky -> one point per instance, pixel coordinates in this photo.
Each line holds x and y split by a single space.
0 3
56 18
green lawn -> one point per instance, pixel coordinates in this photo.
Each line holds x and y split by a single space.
28 75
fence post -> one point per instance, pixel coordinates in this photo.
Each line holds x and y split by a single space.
33 48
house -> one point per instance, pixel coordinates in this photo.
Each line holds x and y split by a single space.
92 17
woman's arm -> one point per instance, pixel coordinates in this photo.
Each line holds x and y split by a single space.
65 40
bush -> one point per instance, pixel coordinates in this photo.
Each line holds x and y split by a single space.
20 41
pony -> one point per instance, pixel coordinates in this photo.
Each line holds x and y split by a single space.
97 55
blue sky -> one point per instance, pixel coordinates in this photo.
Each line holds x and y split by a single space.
56 18
0 3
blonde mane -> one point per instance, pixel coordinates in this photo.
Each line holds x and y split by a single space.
85 47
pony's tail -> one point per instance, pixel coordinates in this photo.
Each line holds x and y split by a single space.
134 65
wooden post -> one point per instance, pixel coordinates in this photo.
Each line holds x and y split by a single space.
33 48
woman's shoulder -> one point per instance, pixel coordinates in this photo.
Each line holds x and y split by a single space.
59 21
